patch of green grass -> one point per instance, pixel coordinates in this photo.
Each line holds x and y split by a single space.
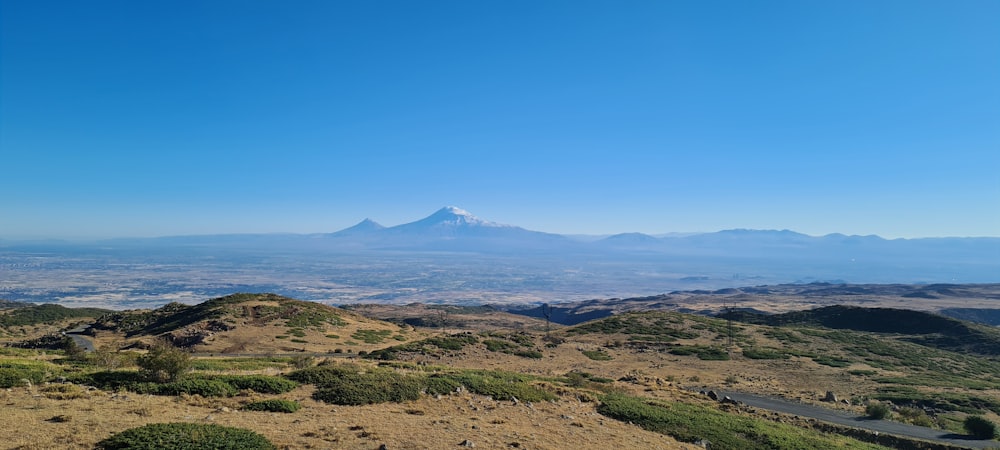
947 401
691 423
300 341
831 361
597 355
532 354
371 336
227 364
702 352
496 345
660 325
428 346
764 353
784 336
333 336
13 372
350 385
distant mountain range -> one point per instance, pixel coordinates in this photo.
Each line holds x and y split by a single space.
723 258
454 229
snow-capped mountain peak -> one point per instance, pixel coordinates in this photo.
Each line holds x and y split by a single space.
454 216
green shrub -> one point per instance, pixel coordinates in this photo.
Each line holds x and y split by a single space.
438 384
274 405
113 380
379 386
915 416
878 411
164 362
264 384
202 387
979 427
186 436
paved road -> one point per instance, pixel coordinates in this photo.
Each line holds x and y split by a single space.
82 341
850 419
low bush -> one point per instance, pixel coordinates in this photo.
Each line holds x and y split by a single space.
186 436
202 387
63 391
878 411
438 384
274 405
264 384
378 386
979 427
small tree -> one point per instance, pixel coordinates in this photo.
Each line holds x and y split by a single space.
164 362
73 350
979 427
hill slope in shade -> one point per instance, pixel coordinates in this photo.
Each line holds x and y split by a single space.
924 328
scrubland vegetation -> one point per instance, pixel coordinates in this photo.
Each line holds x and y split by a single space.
636 368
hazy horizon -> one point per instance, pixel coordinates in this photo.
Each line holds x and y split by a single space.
144 119
660 234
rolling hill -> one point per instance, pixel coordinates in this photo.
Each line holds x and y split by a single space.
252 323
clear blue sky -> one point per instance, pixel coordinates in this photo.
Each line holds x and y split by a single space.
147 118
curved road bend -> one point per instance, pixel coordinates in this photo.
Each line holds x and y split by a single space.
82 341
852 420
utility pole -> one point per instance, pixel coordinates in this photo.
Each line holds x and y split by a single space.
729 323
547 312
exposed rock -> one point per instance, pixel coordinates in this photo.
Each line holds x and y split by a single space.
830 397
712 395
467 443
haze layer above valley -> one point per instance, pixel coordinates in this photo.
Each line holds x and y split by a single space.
452 256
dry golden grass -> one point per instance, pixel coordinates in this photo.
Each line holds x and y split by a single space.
36 422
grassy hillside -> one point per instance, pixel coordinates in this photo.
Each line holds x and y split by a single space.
920 327
10 304
47 313
258 323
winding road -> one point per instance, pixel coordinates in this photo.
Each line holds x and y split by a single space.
82 341
852 420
